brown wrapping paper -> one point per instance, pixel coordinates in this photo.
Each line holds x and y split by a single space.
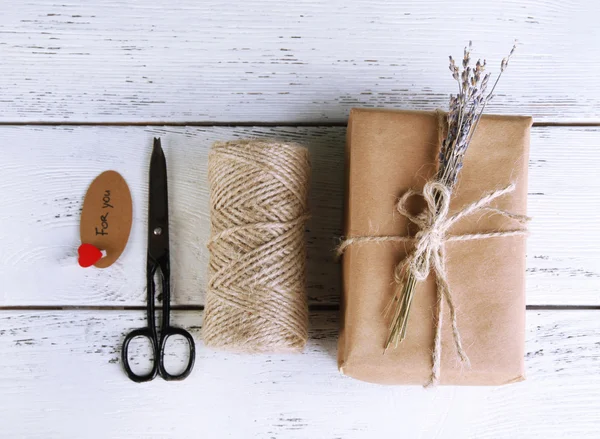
387 153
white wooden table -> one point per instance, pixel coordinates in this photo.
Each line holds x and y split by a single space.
84 86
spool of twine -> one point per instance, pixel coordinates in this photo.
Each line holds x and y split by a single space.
255 300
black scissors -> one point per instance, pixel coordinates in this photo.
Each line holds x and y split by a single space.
158 257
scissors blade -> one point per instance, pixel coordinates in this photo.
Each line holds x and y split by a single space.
158 206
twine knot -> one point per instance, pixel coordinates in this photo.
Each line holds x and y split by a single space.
433 225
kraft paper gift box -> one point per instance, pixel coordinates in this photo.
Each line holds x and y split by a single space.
387 153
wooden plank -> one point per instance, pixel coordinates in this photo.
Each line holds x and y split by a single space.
61 376
46 171
306 60
563 257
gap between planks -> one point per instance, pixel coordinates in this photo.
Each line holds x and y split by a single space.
311 308
233 124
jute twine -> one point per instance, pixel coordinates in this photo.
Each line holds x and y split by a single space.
429 254
255 300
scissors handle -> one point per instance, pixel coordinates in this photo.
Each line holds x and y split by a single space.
151 336
166 333
158 367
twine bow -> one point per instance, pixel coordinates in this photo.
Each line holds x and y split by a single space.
430 254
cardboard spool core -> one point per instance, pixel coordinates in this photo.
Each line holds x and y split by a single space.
106 216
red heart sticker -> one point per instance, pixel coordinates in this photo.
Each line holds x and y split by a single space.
88 255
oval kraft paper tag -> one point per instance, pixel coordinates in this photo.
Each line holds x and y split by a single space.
106 216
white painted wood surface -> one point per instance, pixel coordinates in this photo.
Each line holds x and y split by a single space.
47 170
306 60
62 378
204 62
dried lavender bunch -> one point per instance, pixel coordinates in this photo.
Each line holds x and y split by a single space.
465 110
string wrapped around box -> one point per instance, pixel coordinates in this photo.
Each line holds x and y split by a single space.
255 299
